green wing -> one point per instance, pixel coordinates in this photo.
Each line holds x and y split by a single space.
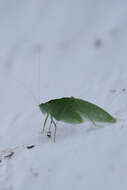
64 110
73 110
93 112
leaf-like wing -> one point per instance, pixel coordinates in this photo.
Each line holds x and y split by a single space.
63 110
93 112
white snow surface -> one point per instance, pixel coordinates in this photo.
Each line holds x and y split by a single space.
62 48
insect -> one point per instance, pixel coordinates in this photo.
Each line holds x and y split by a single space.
73 110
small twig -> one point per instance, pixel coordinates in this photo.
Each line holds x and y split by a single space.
9 155
31 146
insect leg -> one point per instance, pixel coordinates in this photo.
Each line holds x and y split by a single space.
45 122
93 123
49 130
55 129
50 124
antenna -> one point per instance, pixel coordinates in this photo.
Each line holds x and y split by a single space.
37 51
27 89
39 68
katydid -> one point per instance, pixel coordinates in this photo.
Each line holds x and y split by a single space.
73 110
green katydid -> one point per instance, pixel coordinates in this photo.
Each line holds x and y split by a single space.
73 110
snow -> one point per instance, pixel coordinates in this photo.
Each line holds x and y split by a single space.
52 49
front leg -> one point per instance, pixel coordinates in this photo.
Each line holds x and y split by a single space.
45 122
49 130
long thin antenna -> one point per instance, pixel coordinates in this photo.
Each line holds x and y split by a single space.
39 69
27 89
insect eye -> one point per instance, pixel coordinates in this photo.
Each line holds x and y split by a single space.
50 101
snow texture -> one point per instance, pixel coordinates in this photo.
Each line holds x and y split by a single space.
52 49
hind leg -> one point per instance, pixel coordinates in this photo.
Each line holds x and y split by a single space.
55 129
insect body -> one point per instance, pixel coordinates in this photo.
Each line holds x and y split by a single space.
73 110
